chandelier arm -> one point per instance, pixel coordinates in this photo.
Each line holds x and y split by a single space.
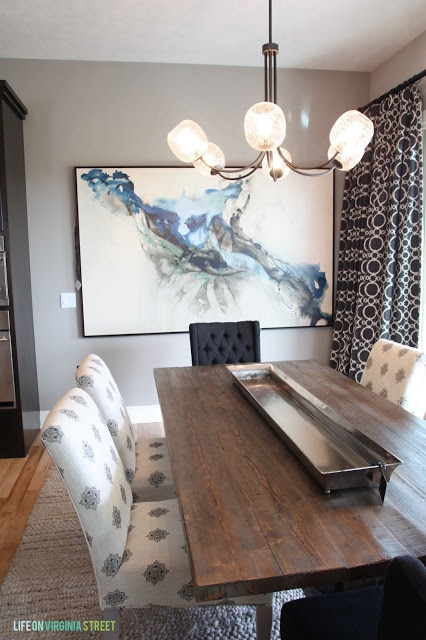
253 165
330 165
326 165
239 177
308 170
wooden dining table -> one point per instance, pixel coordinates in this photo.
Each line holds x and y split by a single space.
255 518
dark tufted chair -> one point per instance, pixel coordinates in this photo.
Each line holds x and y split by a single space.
393 611
225 342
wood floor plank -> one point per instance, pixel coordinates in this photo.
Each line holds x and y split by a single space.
38 478
10 468
25 477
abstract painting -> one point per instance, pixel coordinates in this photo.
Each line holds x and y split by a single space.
163 247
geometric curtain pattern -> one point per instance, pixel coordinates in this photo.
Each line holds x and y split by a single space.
379 264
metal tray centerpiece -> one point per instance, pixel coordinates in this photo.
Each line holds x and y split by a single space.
337 454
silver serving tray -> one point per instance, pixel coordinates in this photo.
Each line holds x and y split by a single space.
337 454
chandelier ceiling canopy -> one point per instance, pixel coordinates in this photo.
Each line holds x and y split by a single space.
265 130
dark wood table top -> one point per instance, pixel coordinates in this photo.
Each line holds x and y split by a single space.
255 519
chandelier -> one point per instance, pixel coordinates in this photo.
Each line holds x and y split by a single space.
265 129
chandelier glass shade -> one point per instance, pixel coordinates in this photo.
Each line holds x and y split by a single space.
212 158
265 130
264 126
188 141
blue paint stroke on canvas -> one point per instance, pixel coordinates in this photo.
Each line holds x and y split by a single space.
190 235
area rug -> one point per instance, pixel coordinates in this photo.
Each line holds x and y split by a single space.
51 581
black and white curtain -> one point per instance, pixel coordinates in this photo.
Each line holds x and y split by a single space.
379 265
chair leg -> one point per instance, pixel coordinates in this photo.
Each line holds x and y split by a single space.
264 614
112 616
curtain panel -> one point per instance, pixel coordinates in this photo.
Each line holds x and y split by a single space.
379 264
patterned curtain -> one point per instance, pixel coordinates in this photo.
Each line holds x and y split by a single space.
379 266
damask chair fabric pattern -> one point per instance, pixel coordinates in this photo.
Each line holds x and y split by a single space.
397 373
94 377
153 479
138 550
146 462
224 342
82 448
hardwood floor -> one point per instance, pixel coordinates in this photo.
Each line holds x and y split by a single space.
20 482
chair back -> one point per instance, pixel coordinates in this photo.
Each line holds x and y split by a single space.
403 612
224 342
394 610
94 376
78 440
397 373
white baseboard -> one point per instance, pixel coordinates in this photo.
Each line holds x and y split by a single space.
142 414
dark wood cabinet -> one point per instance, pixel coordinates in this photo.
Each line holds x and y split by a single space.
19 411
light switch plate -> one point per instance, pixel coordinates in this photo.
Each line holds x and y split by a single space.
68 300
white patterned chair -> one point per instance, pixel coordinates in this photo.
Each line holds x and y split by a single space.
138 549
397 373
146 461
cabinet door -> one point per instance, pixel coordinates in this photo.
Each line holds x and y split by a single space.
19 403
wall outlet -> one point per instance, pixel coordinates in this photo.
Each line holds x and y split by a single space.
68 301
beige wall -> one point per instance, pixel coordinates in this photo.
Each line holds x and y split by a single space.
404 65
100 114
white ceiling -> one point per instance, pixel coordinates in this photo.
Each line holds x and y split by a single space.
312 34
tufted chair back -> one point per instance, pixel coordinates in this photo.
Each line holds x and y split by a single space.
94 376
397 373
389 611
78 440
225 342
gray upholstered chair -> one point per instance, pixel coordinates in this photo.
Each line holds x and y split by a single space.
138 549
224 342
397 373
146 461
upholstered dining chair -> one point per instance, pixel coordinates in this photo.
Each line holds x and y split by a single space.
146 461
398 373
392 611
224 342
138 550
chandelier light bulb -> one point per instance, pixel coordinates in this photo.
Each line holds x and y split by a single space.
274 167
213 158
187 141
347 161
264 126
351 132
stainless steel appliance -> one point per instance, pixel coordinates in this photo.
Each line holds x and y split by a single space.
7 387
4 298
